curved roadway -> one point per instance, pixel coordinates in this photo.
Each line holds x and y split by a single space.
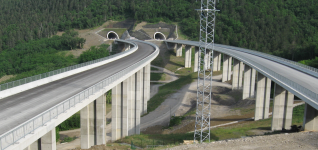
23 106
308 81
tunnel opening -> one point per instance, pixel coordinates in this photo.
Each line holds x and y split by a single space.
112 35
159 36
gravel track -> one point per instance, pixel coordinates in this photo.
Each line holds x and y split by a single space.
290 141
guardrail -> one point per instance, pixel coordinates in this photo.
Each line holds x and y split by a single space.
286 83
301 67
300 91
296 65
16 83
40 120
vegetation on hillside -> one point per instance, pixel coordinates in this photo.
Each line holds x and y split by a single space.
38 56
286 28
44 55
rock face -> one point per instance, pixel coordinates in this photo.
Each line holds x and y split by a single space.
301 140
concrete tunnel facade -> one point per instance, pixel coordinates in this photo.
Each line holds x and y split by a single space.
159 36
112 35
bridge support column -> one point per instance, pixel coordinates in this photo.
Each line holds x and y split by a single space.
253 79
48 141
179 50
87 126
206 57
241 75
227 68
93 123
100 117
249 82
146 87
34 146
219 62
216 61
283 109
139 98
127 47
310 118
236 74
262 97
125 106
117 112
196 59
188 53
209 52
132 105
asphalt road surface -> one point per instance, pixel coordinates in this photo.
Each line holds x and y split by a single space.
299 77
21 107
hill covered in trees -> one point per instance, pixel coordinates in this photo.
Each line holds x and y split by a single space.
286 28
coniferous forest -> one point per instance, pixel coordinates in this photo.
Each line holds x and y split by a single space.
286 28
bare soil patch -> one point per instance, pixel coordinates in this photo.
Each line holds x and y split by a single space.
302 140
6 77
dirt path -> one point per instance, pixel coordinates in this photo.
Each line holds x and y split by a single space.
139 26
180 103
290 141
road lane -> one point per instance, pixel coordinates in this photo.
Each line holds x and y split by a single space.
19 108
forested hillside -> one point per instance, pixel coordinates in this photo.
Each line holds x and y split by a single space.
287 28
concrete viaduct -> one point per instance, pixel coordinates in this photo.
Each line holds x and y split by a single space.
30 111
253 72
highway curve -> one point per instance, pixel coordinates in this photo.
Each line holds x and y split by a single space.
23 106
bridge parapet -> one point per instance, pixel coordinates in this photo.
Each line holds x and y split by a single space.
44 121
14 87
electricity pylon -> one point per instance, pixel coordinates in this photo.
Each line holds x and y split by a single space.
207 14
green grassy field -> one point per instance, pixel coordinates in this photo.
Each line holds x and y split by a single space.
166 90
157 77
239 130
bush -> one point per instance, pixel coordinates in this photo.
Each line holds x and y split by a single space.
71 123
175 120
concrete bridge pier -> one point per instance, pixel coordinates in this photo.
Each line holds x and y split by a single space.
249 82
179 50
118 111
127 47
140 84
93 123
216 61
188 53
283 109
147 71
129 101
240 82
34 146
236 74
46 142
209 52
262 97
206 60
238 68
227 68
310 118
196 59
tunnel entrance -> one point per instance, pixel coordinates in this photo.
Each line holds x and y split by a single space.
112 35
159 36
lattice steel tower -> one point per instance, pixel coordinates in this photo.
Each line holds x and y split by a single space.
204 89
